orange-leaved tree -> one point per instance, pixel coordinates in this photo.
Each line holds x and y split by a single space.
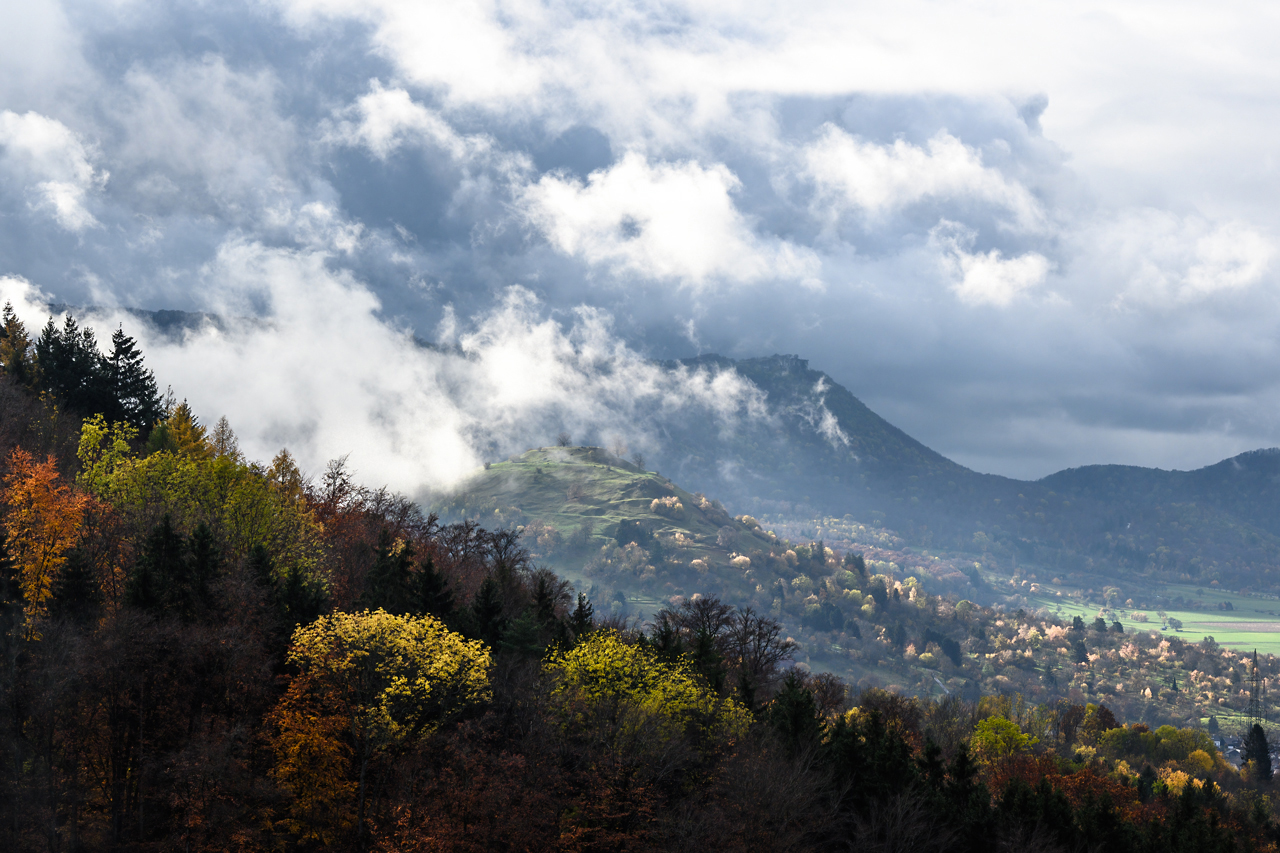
43 514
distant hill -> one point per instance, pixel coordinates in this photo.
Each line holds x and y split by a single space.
822 452
573 500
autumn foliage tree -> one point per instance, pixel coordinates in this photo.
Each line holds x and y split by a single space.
42 521
368 683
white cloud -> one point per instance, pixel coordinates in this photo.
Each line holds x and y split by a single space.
30 303
822 419
881 179
986 278
669 221
53 163
386 119
323 374
461 46
1156 258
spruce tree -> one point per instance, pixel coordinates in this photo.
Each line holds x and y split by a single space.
486 611
69 366
161 571
15 347
134 398
205 564
301 600
387 585
582 619
1257 754
793 714
78 596
431 592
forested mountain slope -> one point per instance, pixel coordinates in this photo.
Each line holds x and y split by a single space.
822 452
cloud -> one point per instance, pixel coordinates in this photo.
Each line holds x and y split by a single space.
204 137
405 162
321 373
1160 259
463 47
53 164
384 119
986 278
666 221
823 420
879 179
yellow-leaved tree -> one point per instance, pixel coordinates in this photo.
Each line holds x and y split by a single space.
644 704
367 683
42 519
996 738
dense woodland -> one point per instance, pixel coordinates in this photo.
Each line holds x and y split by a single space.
203 652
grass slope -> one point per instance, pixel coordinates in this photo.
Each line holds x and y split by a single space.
571 501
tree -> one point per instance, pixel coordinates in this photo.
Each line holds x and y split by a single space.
996 738
1257 754
644 696
158 577
756 647
1098 720
15 346
131 394
367 683
582 619
1079 654
487 612
794 713
181 434
431 592
42 523
877 591
388 583
69 366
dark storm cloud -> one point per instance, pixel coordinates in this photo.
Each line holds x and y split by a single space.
1011 256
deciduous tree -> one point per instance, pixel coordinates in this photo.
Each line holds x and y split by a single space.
42 523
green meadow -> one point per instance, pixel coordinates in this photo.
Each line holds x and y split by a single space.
1252 623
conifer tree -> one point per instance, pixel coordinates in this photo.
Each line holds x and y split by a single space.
582 619
68 366
431 592
180 434
794 713
486 610
15 346
78 596
132 388
387 585
160 560
1257 754
205 565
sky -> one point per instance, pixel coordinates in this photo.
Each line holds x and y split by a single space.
1033 235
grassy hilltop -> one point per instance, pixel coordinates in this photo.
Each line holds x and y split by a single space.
574 502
